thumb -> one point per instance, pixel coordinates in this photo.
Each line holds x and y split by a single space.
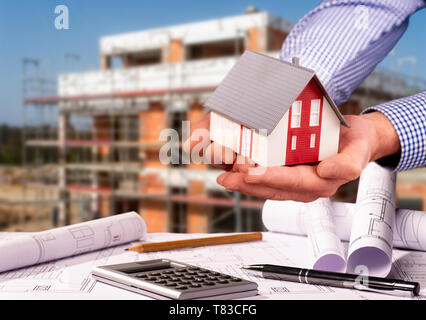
340 166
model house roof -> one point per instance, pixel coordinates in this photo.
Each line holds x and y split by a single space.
259 90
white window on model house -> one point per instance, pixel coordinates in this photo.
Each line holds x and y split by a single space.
293 142
315 112
296 114
312 145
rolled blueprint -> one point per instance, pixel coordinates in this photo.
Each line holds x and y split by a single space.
326 247
368 224
286 217
370 245
71 240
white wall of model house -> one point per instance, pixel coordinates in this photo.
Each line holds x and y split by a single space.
270 150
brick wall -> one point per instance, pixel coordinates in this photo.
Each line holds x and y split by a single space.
154 211
197 217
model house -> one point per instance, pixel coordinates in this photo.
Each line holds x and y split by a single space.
274 112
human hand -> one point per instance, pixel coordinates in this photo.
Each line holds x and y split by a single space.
370 137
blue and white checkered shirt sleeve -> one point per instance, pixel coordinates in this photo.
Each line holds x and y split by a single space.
408 116
343 41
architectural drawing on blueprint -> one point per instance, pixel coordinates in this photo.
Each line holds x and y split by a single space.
370 245
410 229
378 204
67 241
287 217
327 249
70 278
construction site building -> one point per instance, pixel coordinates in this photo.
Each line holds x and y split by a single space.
109 121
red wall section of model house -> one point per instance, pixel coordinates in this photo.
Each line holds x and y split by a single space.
304 148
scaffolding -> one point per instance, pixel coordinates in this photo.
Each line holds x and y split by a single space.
104 137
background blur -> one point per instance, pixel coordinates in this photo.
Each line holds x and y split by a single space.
83 100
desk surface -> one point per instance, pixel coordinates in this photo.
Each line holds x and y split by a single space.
70 278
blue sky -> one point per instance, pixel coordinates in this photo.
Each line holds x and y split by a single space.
27 30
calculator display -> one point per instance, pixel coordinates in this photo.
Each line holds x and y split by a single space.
143 266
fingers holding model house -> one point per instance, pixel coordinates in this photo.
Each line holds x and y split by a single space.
301 127
370 138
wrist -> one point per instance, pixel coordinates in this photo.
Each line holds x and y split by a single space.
384 140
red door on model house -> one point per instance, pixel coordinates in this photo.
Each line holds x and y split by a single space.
304 126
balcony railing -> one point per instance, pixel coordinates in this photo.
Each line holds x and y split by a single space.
199 75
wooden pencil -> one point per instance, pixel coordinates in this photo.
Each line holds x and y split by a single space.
198 242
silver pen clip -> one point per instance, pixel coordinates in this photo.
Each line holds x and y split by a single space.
394 291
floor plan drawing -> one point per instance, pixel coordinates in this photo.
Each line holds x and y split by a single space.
327 250
372 225
410 229
370 244
407 233
70 278
30 249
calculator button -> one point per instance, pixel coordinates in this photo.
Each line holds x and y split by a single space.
151 278
200 275
164 277
191 272
236 279
198 280
174 279
168 272
160 281
181 270
193 268
195 285
188 277
225 276
182 288
204 271
214 273
154 273
212 278
171 284
141 276
223 281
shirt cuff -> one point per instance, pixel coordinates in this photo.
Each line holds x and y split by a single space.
409 122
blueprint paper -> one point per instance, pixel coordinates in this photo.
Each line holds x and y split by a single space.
286 217
326 248
298 218
70 278
35 248
370 244
370 222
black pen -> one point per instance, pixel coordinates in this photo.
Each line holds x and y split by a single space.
336 279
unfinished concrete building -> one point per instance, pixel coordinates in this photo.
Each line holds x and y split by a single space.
110 120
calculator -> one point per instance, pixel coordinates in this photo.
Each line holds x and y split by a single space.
168 279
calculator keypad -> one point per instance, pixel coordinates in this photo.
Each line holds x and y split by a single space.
174 279
185 278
